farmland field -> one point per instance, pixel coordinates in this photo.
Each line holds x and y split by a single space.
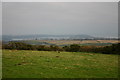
51 64
69 42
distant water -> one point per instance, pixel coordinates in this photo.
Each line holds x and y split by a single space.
17 39
32 38
43 37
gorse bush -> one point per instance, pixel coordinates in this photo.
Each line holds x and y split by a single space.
113 49
18 45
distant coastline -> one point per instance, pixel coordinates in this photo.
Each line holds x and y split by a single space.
52 37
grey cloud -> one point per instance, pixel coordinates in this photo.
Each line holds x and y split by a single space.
92 18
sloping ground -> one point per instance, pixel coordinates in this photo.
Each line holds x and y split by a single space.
50 64
0 44
68 42
60 42
0 59
0 63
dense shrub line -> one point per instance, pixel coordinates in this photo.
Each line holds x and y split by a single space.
113 49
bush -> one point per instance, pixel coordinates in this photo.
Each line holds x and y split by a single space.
72 48
113 49
66 48
18 46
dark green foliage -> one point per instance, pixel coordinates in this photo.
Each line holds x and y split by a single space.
74 48
113 49
54 48
24 46
18 46
43 48
66 48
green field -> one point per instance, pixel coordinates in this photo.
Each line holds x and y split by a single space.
51 64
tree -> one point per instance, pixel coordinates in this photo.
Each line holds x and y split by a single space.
74 48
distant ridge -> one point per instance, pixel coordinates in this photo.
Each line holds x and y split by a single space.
44 36
53 37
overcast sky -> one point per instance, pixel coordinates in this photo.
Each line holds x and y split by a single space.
0 20
92 18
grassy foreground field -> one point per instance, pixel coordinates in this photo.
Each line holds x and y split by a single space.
50 64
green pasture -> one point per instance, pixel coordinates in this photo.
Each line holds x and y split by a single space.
51 64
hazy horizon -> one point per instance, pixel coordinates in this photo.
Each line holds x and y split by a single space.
99 19
57 35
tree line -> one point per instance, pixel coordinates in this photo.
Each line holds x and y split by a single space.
112 49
